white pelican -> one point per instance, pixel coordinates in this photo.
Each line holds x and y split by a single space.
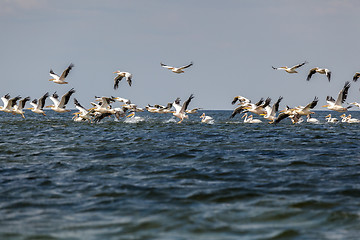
356 76
348 119
83 114
206 119
337 105
259 107
194 110
180 111
291 69
331 119
18 109
60 79
309 119
10 104
356 104
307 109
271 111
104 106
39 105
7 104
175 69
250 119
120 76
325 71
59 106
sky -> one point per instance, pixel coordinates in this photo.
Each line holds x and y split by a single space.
232 43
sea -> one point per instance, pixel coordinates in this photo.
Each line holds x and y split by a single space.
148 177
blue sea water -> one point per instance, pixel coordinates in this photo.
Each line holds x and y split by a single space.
156 179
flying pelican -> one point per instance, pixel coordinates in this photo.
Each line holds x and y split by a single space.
120 76
325 71
309 119
83 114
18 109
271 111
59 106
206 119
194 110
331 119
356 76
180 111
60 79
6 107
258 108
250 119
291 69
39 105
175 69
337 105
120 99
307 109
10 104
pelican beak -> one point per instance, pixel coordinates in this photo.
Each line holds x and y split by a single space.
51 79
130 115
326 105
28 108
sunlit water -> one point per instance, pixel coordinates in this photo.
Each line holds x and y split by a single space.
155 179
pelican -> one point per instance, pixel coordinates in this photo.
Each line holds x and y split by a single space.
325 71
348 119
356 104
309 119
175 69
291 69
39 105
258 108
83 114
336 105
356 76
344 118
206 119
59 106
250 119
194 110
120 76
10 104
180 111
331 119
271 111
307 109
7 105
60 79
131 118
18 109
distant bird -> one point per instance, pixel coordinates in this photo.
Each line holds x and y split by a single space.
59 106
349 119
175 69
5 100
325 71
309 119
18 109
120 76
337 105
60 79
250 119
356 76
9 103
259 108
271 111
120 99
206 119
331 119
291 69
241 99
38 106
180 111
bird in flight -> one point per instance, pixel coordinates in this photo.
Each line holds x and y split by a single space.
291 69
176 69
61 79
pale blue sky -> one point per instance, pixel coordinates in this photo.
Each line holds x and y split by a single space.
233 45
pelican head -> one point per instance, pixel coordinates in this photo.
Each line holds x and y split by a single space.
130 115
202 115
117 71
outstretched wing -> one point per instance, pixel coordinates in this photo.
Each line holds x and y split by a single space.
311 72
166 66
66 72
189 65
186 103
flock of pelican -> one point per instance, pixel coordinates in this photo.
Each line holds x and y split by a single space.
102 107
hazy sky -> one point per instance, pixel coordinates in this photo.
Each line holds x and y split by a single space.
233 45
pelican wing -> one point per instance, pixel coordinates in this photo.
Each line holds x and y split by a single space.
186 103
343 94
328 74
312 104
311 72
356 76
65 98
117 79
237 110
166 66
23 101
281 117
299 65
176 105
79 107
66 72
129 78
186 66
54 75
41 102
